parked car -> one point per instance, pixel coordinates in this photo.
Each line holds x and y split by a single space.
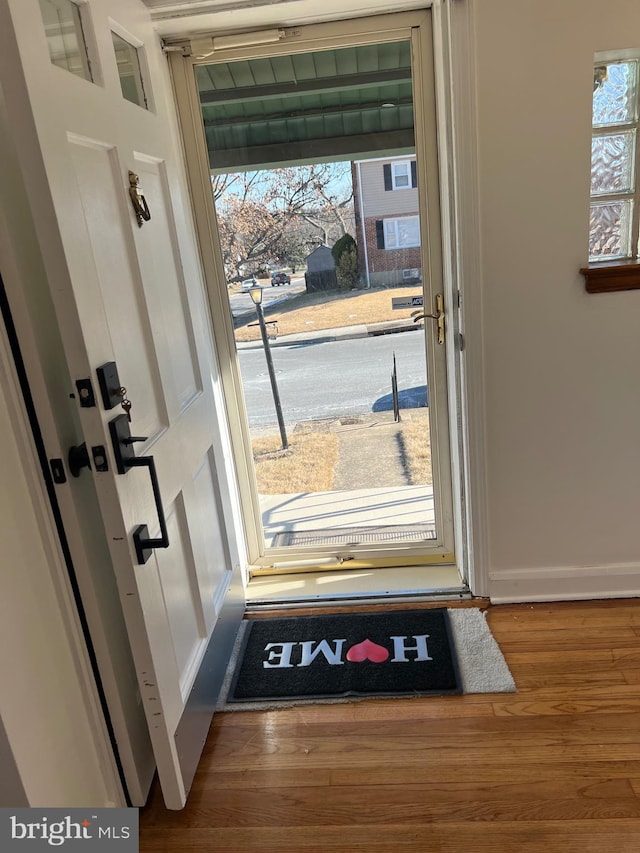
248 283
279 278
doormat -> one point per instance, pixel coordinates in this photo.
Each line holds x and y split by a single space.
347 654
478 663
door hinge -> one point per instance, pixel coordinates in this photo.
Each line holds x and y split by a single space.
460 341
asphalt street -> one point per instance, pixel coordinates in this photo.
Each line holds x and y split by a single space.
241 303
334 379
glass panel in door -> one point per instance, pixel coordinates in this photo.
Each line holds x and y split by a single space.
314 175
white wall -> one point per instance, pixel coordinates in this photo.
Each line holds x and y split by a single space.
12 793
562 368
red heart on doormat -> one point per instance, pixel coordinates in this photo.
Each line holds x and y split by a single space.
367 650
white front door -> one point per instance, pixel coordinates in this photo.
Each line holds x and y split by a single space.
88 100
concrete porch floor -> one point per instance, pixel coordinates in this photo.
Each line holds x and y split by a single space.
392 506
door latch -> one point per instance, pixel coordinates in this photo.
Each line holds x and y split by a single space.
78 458
85 393
57 471
438 317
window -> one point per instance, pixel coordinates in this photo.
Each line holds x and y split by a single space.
65 36
615 195
400 176
401 233
129 71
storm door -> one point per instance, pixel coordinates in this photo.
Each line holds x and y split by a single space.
312 158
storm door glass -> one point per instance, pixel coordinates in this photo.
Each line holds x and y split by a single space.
315 179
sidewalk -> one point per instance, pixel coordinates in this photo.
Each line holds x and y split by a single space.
370 452
372 498
389 327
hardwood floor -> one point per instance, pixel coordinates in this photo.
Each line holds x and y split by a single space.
553 767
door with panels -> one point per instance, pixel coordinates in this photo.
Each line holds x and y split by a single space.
88 102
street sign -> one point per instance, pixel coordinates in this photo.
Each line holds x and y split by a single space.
407 302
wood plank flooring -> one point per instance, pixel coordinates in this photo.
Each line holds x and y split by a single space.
553 767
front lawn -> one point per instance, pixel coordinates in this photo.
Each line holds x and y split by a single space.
309 312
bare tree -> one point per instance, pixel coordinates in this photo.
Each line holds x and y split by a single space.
265 216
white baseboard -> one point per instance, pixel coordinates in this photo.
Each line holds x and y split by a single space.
565 583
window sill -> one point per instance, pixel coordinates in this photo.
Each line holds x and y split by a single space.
611 276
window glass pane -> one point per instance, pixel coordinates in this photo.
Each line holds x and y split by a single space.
409 232
612 159
402 233
400 175
614 94
65 39
344 116
129 70
390 234
610 230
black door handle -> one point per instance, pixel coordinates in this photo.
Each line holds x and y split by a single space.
144 544
125 459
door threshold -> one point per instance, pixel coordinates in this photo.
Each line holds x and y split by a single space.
362 586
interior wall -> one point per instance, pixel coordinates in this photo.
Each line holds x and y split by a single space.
562 368
12 793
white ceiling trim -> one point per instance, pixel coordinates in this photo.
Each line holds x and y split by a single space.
186 17
190 8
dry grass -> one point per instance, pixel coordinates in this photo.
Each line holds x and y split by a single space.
309 463
306 466
416 447
309 312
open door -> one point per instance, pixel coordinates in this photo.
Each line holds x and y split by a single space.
282 128
85 86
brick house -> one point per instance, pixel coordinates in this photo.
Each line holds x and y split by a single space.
387 220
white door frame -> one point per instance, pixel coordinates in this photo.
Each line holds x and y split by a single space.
454 47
